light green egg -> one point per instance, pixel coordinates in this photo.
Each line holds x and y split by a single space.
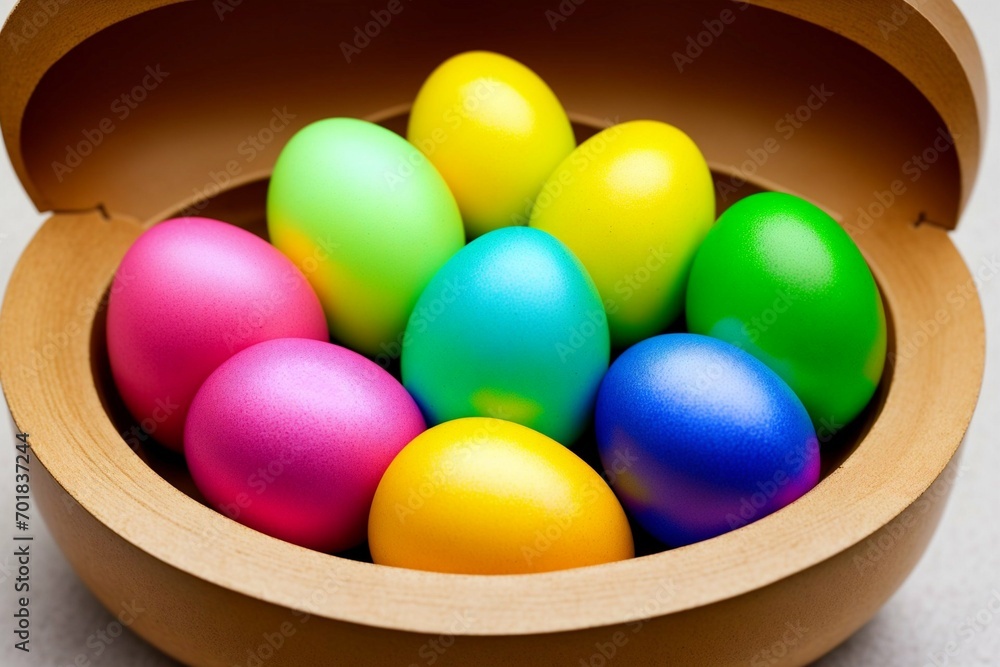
368 220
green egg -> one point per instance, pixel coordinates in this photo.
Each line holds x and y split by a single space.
368 220
781 279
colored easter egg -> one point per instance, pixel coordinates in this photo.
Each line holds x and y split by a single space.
632 202
513 328
292 436
495 131
781 279
487 496
701 437
369 220
189 294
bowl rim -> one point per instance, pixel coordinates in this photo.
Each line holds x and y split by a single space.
61 279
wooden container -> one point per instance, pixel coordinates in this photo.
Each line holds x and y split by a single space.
118 115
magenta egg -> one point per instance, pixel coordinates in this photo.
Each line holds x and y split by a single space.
291 437
189 294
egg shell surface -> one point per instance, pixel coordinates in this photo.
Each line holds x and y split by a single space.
778 277
189 294
633 202
702 436
511 327
487 496
368 218
495 131
291 437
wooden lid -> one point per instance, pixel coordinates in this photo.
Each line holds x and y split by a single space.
142 107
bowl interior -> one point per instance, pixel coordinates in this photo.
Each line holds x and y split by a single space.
244 206
813 110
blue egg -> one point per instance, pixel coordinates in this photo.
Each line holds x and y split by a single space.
510 327
699 437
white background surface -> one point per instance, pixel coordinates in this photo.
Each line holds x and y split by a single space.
947 598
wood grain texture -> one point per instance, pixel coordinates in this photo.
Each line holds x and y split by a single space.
24 60
901 86
213 589
930 43
218 583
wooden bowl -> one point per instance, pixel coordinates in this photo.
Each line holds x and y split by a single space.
118 115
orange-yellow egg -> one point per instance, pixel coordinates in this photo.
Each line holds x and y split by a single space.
488 496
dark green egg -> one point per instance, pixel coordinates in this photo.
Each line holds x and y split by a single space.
781 279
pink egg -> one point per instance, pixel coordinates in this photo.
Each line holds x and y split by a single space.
291 437
189 294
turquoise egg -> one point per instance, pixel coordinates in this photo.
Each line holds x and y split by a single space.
510 327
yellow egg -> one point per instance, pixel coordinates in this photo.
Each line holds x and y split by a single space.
495 131
487 496
633 203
